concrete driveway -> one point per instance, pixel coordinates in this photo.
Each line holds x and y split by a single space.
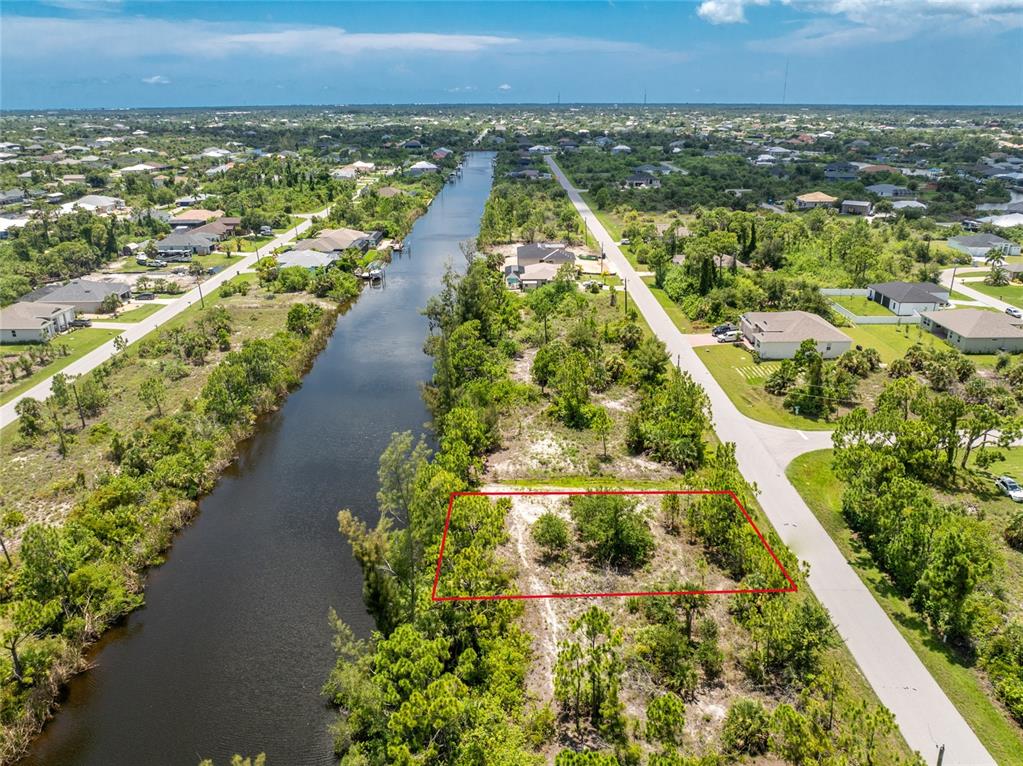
924 713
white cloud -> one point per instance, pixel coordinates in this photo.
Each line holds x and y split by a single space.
504 86
156 79
462 89
726 11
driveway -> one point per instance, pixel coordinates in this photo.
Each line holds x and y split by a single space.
924 713
137 330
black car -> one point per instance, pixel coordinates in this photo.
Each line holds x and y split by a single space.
80 323
144 296
721 329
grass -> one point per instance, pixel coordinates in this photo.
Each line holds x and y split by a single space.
293 221
742 379
672 309
812 476
215 259
249 244
860 305
1009 293
79 342
136 314
892 341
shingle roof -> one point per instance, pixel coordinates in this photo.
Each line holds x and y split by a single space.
977 323
30 315
77 290
911 292
978 240
788 326
816 197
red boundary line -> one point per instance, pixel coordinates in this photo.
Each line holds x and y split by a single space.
524 596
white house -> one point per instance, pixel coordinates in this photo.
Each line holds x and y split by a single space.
27 322
778 334
422 168
909 298
977 246
976 331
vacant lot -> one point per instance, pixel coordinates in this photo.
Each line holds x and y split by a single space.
79 343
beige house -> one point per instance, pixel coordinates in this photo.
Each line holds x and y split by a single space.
27 322
815 199
778 334
975 331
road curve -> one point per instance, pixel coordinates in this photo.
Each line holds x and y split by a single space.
140 329
925 715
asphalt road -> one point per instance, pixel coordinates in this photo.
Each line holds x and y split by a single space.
923 712
138 330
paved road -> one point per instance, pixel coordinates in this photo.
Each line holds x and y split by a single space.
925 715
964 287
137 330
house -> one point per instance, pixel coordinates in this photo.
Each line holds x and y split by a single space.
83 294
815 199
185 243
542 252
94 203
909 298
1004 221
855 207
536 275
978 245
28 322
389 191
12 196
540 149
195 217
909 204
841 171
642 180
442 153
422 168
889 191
778 334
308 259
621 149
219 228
337 241
976 331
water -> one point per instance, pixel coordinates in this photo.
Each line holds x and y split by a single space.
232 648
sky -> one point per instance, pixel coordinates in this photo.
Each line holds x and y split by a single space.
112 54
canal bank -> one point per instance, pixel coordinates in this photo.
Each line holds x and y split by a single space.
231 650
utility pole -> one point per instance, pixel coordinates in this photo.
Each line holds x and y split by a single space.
202 301
951 282
941 754
625 281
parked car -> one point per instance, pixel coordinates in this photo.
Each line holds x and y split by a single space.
80 323
155 263
1010 488
144 296
723 328
1014 312
729 337
625 241
265 231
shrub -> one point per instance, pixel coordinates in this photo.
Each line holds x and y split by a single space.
550 532
614 527
746 728
1014 531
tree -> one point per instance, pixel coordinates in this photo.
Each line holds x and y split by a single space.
30 414
302 317
615 528
546 363
650 360
745 731
572 388
587 674
665 719
110 304
601 422
25 618
152 392
550 532
9 521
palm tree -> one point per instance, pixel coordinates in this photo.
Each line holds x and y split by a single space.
994 257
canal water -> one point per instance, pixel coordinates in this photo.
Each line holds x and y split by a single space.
233 645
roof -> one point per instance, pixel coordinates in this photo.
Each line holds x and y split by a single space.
26 315
187 239
860 202
197 214
538 252
329 240
912 292
977 323
306 258
978 240
881 188
793 326
539 271
423 165
816 197
389 191
77 291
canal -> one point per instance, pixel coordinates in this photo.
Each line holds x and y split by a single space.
233 645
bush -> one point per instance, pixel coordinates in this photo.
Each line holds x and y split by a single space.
746 728
614 527
1014 531
550 532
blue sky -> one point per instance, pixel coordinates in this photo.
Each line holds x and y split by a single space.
104 53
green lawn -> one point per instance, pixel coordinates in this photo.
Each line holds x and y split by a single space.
249 244
812 476
743 381
1009 293
860 306
293 221
673 310
216 259
136 314
79 342
892 341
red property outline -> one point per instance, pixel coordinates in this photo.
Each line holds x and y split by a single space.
522 596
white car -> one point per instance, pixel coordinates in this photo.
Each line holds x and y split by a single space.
729 337
1010 488
1014 312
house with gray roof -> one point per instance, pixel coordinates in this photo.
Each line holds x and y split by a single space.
976 331
890 191
978 245
28 322
187 242
909 298
83 294
778 334
307 259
